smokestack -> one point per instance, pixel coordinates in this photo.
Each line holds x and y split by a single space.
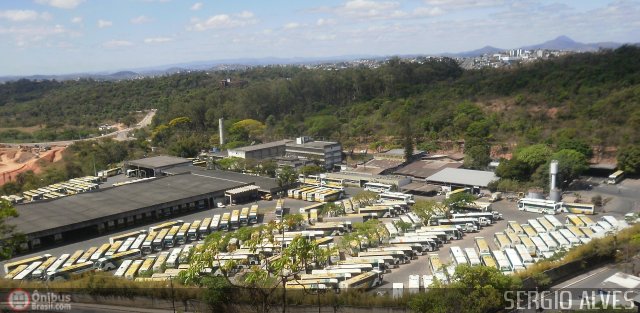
554 192
221 130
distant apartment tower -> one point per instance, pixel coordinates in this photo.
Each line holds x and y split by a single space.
260 151
328 153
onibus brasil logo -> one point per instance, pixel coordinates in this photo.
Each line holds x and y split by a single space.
22 300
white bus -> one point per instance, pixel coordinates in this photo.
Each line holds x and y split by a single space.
192 233
58 263
73 258
615 177
42 269
378 187
172 260
567 234
137 244
123 268
181 236
611 220
563 243
234 222
390 196
253 214
391 229
399 257
501 260
539 206
541 247
160 261
112 262
215 223
363 281
99 252
244 216
15 271
482 246
529 245
64 272
529 230
124 237
536 226
554 222
126 244
457 256
170 238
113 249
472 256
579 208
514 259
545 223
203 231
525 256
26 273
158 243
435 265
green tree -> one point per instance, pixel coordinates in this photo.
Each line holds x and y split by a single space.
513 169
426 209
629 159
577 145
10 240
253 129
477 157
459 201
571 164
535 155
286 177
365 197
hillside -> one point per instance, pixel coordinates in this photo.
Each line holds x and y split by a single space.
591 96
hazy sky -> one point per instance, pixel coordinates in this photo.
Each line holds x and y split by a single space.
66 36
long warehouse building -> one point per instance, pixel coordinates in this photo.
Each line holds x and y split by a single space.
88 214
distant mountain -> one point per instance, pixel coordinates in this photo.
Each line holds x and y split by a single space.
566 43
475 53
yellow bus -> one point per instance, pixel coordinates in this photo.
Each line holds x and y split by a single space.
588 222
528 230
73 258
87 254
515 226
488 260
579 208
482 246
575 221
501 240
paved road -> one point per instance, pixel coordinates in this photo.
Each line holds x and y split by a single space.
119 135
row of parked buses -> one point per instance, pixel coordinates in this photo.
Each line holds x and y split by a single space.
521 245
128 246
315 193
552 207
58 190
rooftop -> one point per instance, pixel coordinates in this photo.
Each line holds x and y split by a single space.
464 177
426 168
159 161
67 211
420 187
398 153
266 184
261 146
312 144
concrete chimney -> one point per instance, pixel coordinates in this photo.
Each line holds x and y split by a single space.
554 192
221 130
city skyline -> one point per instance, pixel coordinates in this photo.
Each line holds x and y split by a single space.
67 36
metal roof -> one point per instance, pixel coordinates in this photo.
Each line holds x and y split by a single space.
261 146
464 177
85 207
159 161
243 189
266 184
425 168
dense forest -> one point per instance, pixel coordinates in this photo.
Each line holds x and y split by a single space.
591 96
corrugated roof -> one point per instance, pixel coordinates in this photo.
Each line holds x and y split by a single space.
261 146
159 161
464 177
426 168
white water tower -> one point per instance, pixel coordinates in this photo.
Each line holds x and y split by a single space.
554 192
221 130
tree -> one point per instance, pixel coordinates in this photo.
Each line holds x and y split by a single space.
332 209
10 240
252 128
477 157
577 145
426 209
459 201
535 155
365 197
571 164
629 159
311 170
260 282
513 169
286 177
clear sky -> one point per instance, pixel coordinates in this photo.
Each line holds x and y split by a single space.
67 36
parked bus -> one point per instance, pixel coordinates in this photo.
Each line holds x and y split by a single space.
87 255
329 228
137 244
579 208
472 256
501 241
453 233
378 187
390 196
181 235
482 246
528 243
435 265
338 276
170 239
160 261
113 249
563 243
203 231
588 232
408 251
514 259
9 266
501 260
58 264
457 256
588 222
15 271
541 247
536 226
514 238
363 281
525 256
172 259
567 234
515 226
528 230
234 222
132 271
26 273
185 254
114 261
312 284
146 265
253 214
244 216
192 233
457 191
466 224
65 272
123 268
545 223
123 237
126 244
576 231
159 227
99 252
554 222
380 212
488 260
73 258
146 247
158 242
575 221
391 229
42 269
549 242
215 223
615 178
539 206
